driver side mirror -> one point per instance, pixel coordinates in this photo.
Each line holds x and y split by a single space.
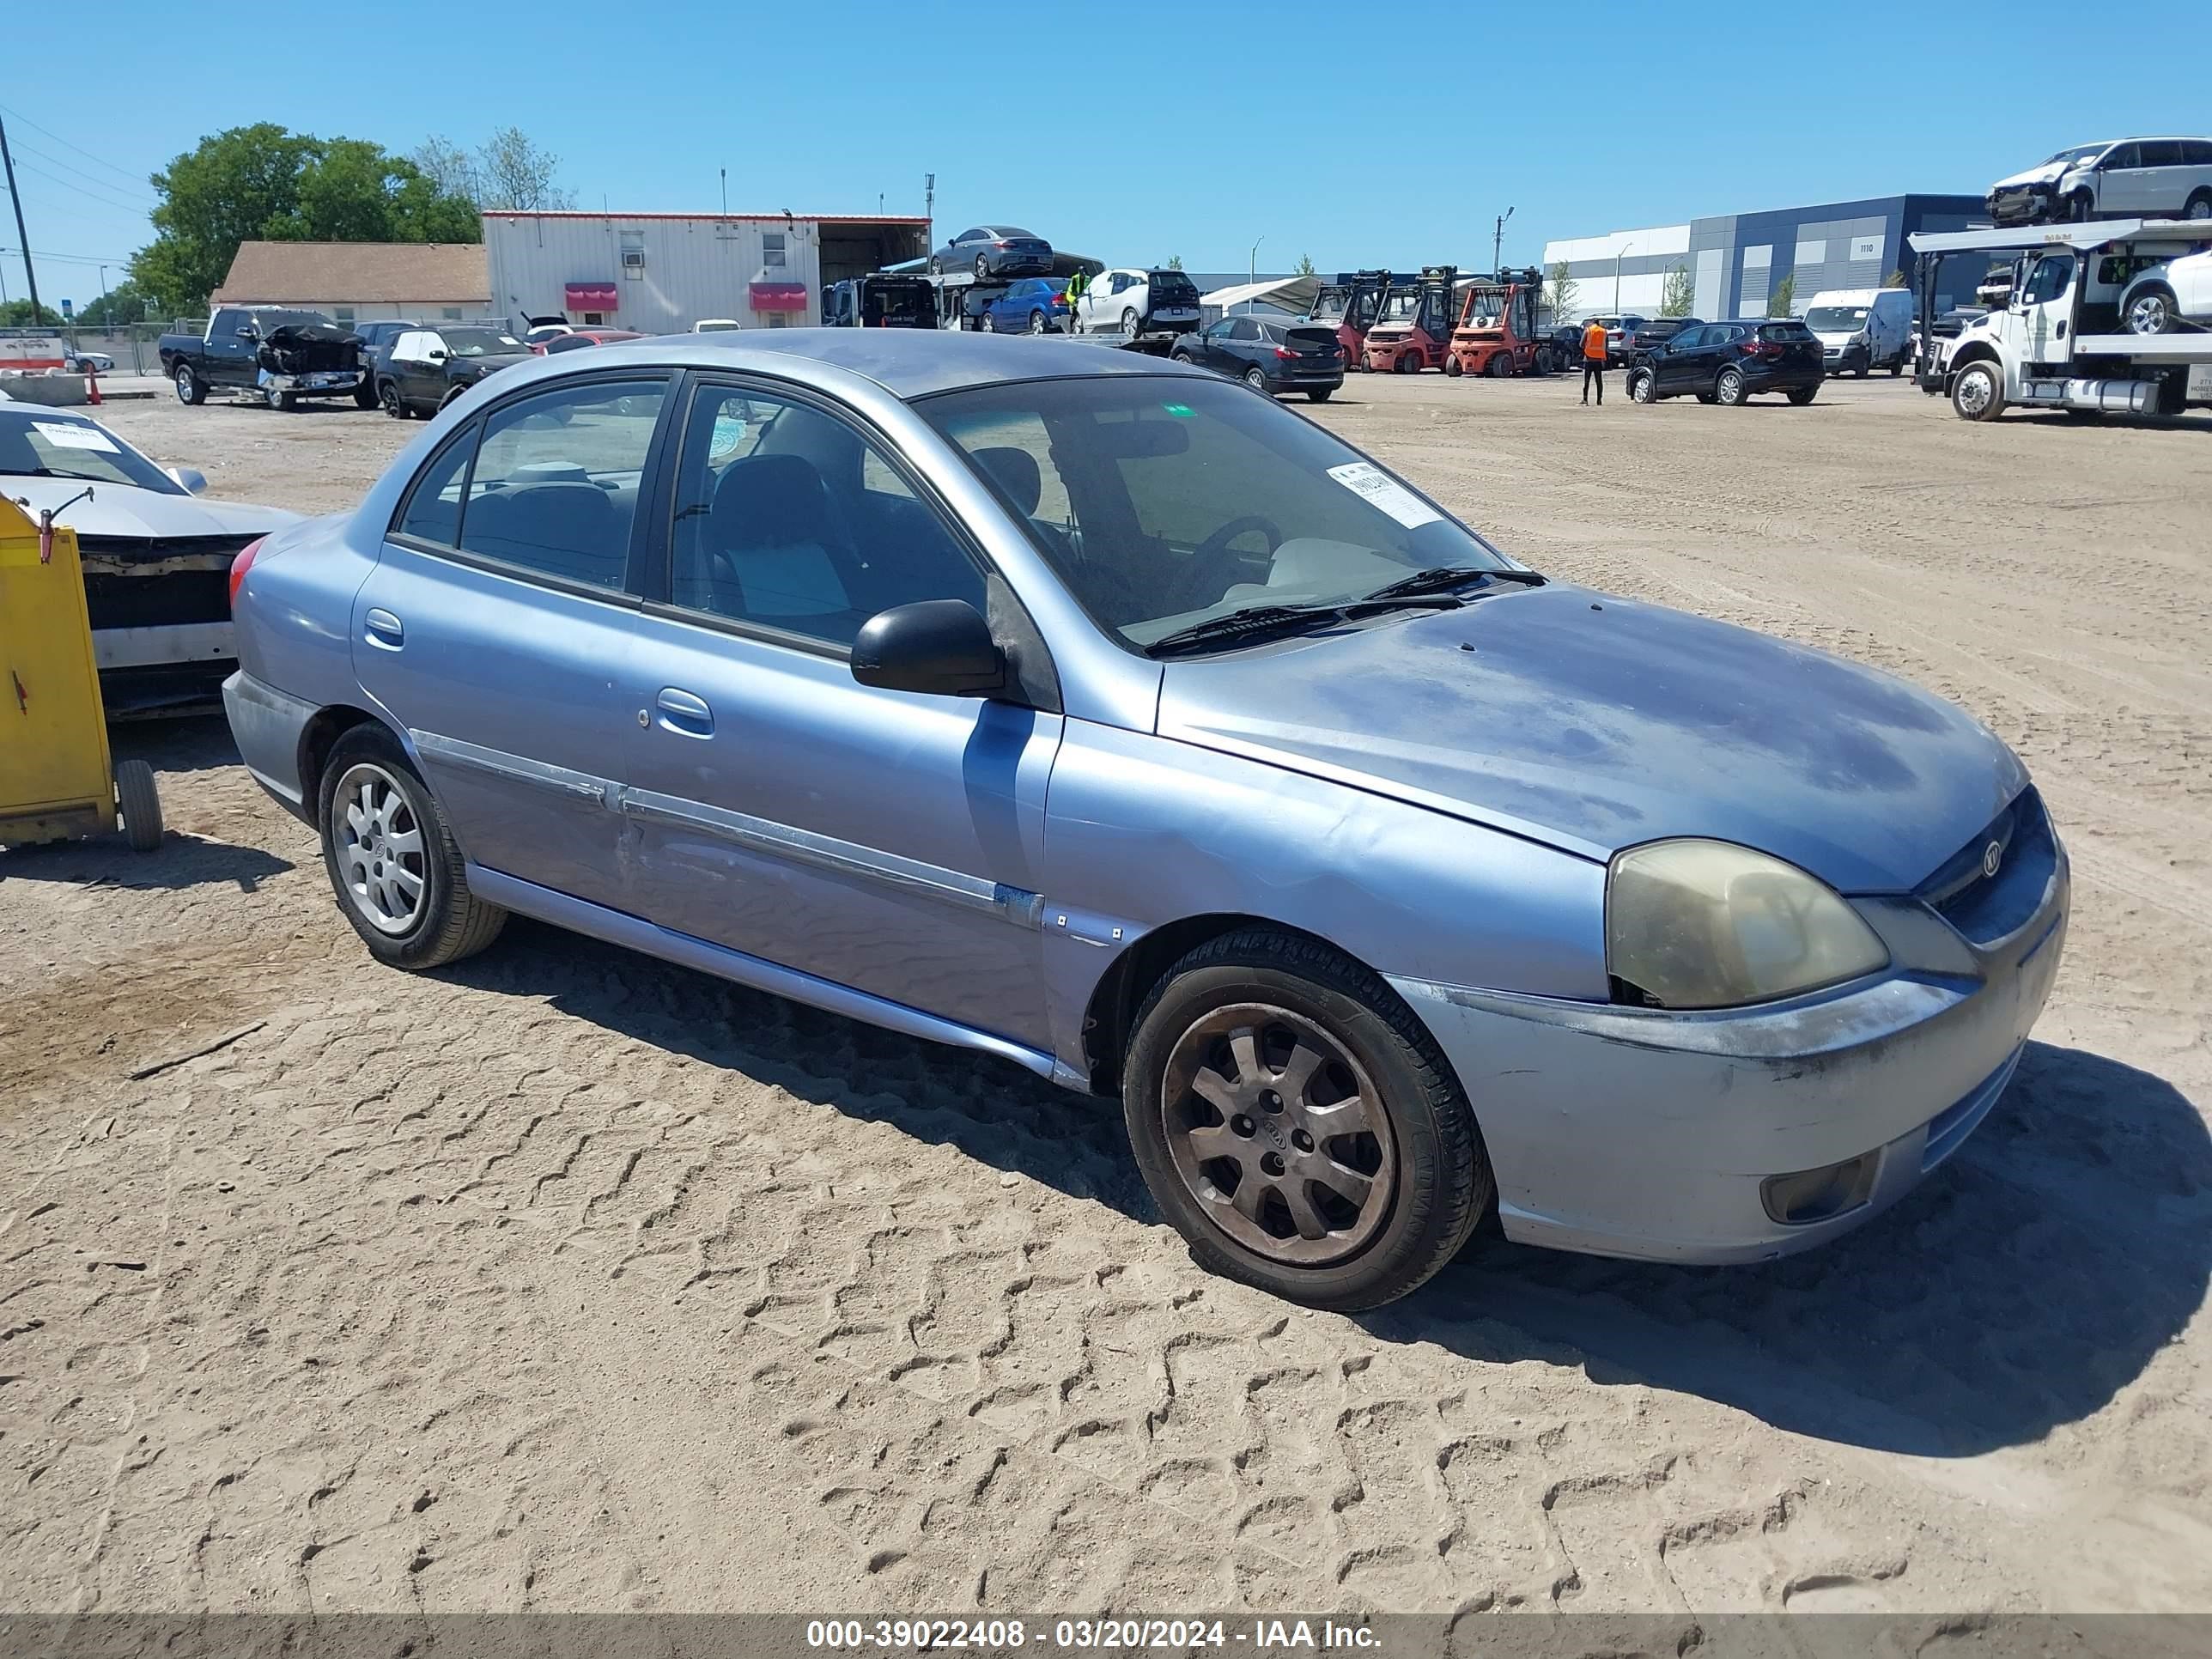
437 355
941 648
247 331
193 481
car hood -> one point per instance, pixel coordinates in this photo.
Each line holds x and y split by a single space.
1593 723
127 510
2048 173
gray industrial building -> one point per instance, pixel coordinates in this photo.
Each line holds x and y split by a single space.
1736 261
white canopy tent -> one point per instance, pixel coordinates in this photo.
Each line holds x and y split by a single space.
1295 294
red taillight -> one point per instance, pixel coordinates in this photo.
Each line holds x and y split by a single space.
1002 245
241 564
1285 351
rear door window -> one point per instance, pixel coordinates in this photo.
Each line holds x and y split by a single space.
432 511
555 486
2161 152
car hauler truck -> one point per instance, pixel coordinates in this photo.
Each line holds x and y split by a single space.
2056 340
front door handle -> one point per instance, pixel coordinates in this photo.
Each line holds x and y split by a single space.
380 628
685 712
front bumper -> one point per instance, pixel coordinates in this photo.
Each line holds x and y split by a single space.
269 727
320 382
2021 204
1653 1135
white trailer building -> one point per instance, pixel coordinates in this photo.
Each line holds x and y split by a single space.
659 273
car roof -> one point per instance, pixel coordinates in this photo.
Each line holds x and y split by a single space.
906 362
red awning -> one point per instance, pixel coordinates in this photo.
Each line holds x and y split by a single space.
589 296
779 296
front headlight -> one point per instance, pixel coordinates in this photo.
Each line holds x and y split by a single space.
1706 924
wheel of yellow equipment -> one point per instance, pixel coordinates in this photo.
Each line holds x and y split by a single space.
141 804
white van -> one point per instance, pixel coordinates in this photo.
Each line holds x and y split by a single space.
1863 328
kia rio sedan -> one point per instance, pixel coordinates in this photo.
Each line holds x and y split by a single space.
1099 713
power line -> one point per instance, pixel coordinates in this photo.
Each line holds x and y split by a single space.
73 258
135 178
89 178
85 191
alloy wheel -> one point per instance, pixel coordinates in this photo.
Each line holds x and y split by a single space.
184 385
1037 324
1975 388
2149 314
1279 1133
379 850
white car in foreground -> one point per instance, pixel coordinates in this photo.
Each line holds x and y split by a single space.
2168 298
156 555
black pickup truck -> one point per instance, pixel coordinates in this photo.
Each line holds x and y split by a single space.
270 353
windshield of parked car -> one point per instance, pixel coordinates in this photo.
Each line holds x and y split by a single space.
44 443
1165 500
1835 319
2079 153
479 341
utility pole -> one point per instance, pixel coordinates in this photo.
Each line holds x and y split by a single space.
1498 240
21 234
726 191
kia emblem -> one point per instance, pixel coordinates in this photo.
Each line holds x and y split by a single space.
1992 856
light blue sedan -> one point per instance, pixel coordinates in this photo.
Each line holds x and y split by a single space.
1101 714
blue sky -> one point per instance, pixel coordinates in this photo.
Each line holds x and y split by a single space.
1360 135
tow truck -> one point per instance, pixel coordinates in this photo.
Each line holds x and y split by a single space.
1413 327
1496 333
1348 305
2055 340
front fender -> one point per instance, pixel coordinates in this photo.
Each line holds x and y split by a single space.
1142 831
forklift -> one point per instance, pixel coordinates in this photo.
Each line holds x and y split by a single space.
1497 334
1412 326
1348 306
56 780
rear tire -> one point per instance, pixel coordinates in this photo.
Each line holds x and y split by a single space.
383 834
1387 1206
1803 395
2199 207
1978 392
1501 365
1453 368
1320 394
1130 323
1727 390
190 390
2152 310
140 803
1256 380
1039 324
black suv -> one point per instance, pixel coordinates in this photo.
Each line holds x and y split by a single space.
1727 362
1269 356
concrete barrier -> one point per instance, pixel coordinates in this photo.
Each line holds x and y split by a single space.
54 390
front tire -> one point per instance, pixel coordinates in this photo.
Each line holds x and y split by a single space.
1298 1126
189 387
1453 368
1727 390
364 397
1978 392
392 859
1643 386
283 402
987 324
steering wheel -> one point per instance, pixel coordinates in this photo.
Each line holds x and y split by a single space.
1201 575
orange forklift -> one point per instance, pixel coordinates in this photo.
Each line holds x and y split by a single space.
1348 305
1496 333
1412 326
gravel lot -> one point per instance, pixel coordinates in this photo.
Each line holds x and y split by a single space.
567 1281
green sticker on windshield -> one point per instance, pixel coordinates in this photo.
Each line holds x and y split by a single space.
1180 411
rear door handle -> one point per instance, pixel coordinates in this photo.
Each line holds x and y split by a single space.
685 712
380 628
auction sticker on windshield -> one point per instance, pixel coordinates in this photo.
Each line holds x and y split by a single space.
68 435
1365 479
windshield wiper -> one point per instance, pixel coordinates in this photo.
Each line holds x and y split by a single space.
1442 579
1261 619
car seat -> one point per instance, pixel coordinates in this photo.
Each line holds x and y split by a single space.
774 553
570 530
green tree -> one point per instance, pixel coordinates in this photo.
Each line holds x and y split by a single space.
265 183
1306 266
1174 261
1560 289
16 314
1680 294
1785 296
124 303
1897 280
451 170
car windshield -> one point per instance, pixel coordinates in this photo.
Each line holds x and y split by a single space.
2079 153
42 443
1165 500
479 341
1835 319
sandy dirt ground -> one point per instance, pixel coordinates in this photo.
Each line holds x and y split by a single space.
567 1280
